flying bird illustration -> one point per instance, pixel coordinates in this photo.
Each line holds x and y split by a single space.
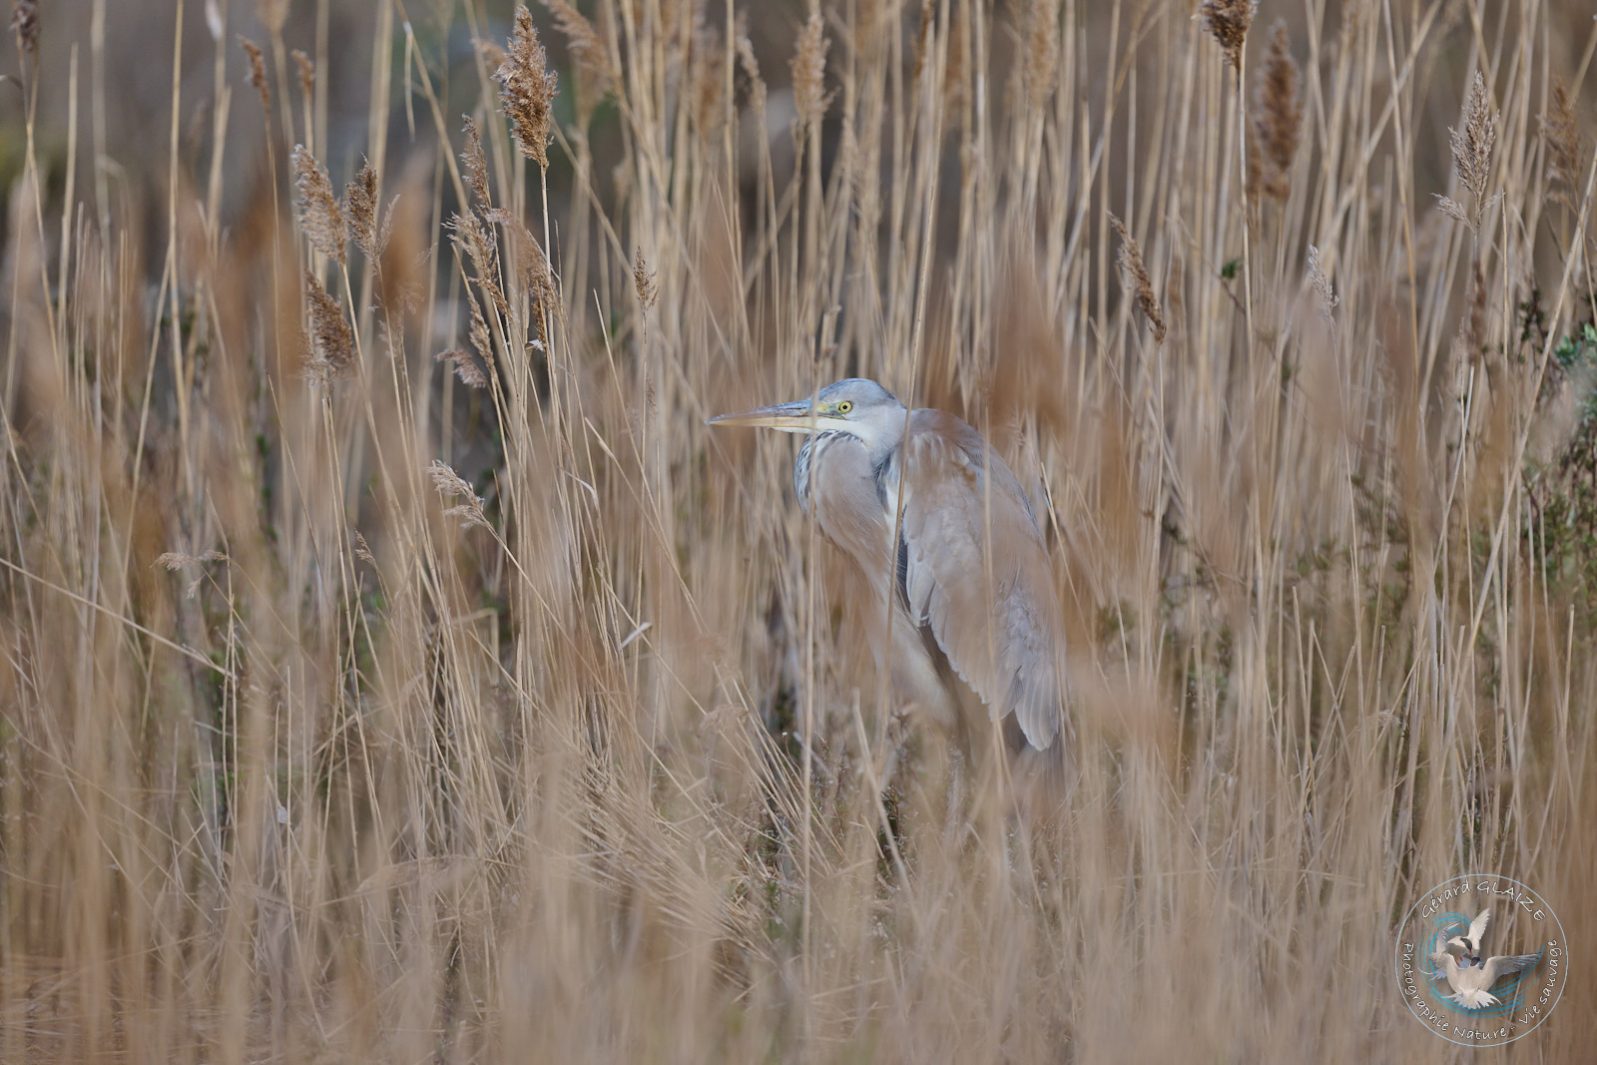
1468 973
1470 944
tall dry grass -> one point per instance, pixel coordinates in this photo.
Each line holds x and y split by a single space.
396 669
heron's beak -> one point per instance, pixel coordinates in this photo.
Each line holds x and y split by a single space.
796 417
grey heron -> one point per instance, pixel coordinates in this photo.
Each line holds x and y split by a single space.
941 529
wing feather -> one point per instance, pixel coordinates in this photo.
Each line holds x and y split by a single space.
976 572
1443 966
1477 928
1507 965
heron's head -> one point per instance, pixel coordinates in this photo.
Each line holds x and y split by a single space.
856 406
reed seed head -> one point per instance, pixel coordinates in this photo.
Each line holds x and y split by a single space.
25 25
749 67
1561 133
587 46
272 13
320 217
643 280
708 67
476 164
1321 284
1042 52
527 90
1228 21
1474 141
465 367
306 68
473 239
809 72
531 262
332 339
191 566
493 54
263 87
1277 117
360 210
481 340
451 485
1135 273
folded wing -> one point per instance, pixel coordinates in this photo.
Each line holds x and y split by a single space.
976 572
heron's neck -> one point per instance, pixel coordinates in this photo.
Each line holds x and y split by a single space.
881 434
880 438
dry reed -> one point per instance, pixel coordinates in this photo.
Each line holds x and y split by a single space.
809 71
1137 280
25 25
1473 141
1277 117
527 89
360 211
321 218
397 669
1228 22
258 78
332 339
1561 132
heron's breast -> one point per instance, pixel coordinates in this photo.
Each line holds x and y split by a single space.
843 492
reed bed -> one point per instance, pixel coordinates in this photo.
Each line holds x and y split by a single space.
398 670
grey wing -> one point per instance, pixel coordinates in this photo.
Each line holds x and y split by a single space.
1508 965
976 572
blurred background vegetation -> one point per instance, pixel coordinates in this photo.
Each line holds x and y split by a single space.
397 669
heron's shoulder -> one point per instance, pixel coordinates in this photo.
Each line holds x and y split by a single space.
939 435
942 424
936 435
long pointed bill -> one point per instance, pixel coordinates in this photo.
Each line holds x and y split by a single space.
797 417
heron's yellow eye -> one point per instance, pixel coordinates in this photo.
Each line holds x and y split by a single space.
844 406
